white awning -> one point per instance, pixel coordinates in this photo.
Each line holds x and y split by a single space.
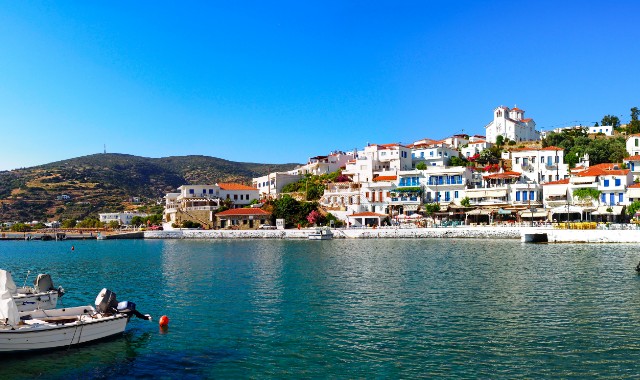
554 191
576 180
478 212
633 192
571 210
535 214
410 207
486 193
602 210
496 193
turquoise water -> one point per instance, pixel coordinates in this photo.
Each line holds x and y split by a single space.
346 309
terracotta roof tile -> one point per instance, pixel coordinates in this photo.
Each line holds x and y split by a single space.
243 211
559 182
367 213
385 178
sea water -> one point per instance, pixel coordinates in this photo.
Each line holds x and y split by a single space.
396 308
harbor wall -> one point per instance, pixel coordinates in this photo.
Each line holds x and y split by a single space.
357 233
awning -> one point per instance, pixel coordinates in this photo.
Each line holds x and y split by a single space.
602 210
504 212
565 210
486 193
535 214
410 207
633 192
479 212
555 191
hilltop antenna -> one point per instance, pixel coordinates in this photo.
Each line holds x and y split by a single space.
105 148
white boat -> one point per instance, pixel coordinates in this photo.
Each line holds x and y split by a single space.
22 332
322 233
42 295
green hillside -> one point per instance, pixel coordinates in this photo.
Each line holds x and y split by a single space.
109 182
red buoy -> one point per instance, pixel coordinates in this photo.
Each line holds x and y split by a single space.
164 321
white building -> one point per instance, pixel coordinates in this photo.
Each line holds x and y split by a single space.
602 129
123 218
446 185
324 164
271 185
539 165
475 147
511 124
633 145
376 160
432 154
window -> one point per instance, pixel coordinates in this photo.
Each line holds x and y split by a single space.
192 191
603 198
517 160
235 197
524 195
617 181
431 154
531 195
533 160
517 196
605 183
636 142
455 195
620 197
447 196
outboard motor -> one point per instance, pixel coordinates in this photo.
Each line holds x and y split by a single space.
128 307
106 301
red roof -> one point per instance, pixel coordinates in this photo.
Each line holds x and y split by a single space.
503 175
559 182
632 158
635 185
235 186
385 178
602 169
243 211
367 213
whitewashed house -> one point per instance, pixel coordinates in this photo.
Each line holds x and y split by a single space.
271 185
324 164
633 145
475 147
432 154
539 165
123 218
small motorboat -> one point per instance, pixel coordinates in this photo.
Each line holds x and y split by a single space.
42 295
23 332
322 233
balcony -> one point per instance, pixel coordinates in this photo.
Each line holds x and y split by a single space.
202 208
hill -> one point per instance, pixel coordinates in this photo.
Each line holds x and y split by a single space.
109 182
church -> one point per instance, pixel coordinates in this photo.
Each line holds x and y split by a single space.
511 124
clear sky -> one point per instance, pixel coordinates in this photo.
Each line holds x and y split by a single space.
281 81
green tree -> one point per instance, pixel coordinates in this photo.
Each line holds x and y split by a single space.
20 227
90 223
606 150
633 208
611 120
114 224
634 124
68 223
137 221
458 161
422 165
499 140
430 208
587 194
466 202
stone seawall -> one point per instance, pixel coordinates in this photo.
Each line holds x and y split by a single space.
381 233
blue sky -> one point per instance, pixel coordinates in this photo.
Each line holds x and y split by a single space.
281 81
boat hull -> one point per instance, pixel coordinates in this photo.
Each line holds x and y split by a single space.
51 329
